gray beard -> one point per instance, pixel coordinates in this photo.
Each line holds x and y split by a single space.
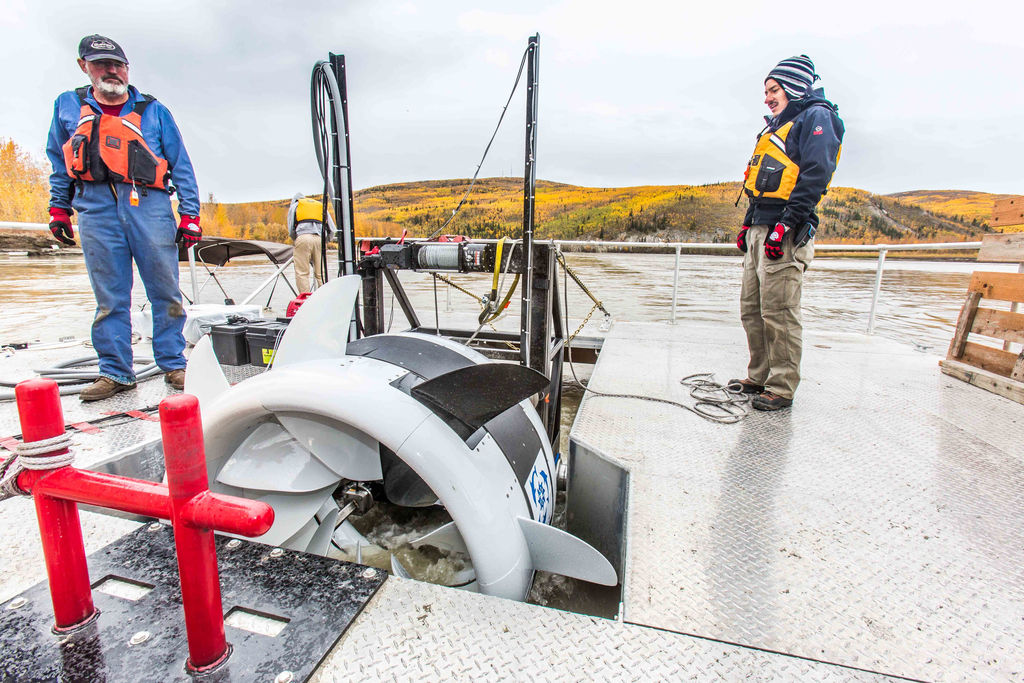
112 89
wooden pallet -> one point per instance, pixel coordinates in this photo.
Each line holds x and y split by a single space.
998 370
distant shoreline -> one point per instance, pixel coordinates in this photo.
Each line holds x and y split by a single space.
22 243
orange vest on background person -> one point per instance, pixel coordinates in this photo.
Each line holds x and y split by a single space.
107 148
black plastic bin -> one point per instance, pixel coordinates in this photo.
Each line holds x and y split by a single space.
262 340
229 344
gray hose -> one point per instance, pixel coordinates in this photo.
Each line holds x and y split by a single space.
72 379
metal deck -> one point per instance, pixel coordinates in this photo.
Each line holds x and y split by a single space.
877 526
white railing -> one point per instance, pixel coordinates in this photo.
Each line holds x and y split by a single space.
725 247
9 225
728 247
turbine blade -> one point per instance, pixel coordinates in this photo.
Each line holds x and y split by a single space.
204 378
321 540
349 540
446 537
559 552
345 450
302 538
397 569
292 511
476 393
271 460
402 486
320 327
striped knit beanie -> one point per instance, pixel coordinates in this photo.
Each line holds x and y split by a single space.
795 75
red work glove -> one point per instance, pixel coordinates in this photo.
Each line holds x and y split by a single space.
741 239
773 243
60 225
189 233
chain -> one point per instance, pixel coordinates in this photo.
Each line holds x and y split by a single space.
583 324
576 278
447 281
450 283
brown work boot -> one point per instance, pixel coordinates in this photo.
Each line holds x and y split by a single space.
176 378
103 388
745 386
770 401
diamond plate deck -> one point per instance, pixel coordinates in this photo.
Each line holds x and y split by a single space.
414 631
877 524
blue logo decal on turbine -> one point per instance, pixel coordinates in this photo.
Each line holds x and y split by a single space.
540 493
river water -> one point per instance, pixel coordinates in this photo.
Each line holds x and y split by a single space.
46 299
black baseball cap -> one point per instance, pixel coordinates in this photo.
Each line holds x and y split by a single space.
100 47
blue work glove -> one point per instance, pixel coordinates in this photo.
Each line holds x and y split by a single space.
773 243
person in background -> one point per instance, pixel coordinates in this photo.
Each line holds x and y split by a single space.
791 169
305 227
117 156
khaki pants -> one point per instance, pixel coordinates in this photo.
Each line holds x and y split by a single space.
307 252
770 311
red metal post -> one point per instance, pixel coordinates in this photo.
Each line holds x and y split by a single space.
42 417
185 457
186 501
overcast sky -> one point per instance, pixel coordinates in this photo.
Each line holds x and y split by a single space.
631 92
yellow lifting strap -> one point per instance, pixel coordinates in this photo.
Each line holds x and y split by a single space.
497 266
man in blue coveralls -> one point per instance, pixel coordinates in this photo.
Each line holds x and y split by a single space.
117 156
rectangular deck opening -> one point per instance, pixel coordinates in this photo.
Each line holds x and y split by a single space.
260 623
126 589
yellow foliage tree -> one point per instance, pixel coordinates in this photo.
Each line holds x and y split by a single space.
24 190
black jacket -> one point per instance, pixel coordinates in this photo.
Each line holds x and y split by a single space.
813 144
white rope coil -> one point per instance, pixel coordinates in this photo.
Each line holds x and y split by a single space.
37 455
33 455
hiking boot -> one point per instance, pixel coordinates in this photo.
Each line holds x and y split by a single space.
103 388
746 386
176 378
770 401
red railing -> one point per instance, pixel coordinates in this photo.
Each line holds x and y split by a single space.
186 500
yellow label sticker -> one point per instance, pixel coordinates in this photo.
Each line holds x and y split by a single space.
268 356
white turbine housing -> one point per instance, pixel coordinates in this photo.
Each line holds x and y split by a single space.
433 420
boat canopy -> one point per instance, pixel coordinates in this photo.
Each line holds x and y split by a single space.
216 251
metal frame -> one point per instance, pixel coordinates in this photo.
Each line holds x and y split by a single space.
279 273
541 339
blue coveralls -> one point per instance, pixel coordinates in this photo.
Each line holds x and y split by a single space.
112 233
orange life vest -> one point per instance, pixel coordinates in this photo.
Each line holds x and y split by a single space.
107 148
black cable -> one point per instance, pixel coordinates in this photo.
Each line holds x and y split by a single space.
486 150
324 135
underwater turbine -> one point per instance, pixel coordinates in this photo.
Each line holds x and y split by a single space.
432 421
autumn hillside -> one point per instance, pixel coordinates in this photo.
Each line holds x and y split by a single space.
701 213
704 213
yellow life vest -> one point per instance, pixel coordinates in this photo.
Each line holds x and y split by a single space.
307 209
770 173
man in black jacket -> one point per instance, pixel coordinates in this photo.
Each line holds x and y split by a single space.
790 170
